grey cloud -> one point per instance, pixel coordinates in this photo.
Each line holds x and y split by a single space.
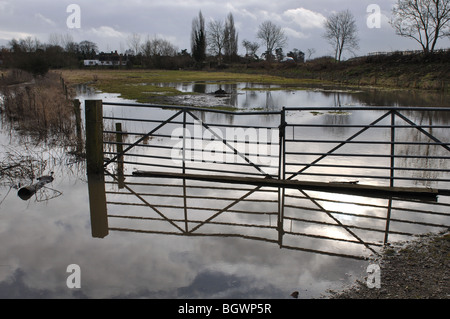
108 22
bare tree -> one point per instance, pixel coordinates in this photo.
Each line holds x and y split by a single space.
158 47
216 38
272 36
310 53
67 41
88 49
134 42
425 21
28 44
341 33
54 39
153 50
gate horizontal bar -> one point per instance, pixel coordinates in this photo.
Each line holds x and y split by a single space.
369 167
368 108
128 119
367 155
342 188
305 108
363 142
363 125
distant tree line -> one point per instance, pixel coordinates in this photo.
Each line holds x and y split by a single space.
217 42
37 58
221 40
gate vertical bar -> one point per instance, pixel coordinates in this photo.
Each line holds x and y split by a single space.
119 150
391 183
392 176
281 175
388 221
186 224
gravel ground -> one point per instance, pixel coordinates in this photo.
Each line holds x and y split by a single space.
417 269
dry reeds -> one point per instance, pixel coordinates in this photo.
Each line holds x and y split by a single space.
39 107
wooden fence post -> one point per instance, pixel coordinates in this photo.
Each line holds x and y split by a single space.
79 131
94 136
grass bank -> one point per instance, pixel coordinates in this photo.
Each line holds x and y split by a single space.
397 71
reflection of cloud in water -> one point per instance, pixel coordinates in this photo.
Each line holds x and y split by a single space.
121 263
39 241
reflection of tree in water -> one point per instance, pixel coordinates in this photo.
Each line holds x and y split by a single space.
255 92
230 94
337 118
401 98
250 97
17 167
270 102
425 151
337 99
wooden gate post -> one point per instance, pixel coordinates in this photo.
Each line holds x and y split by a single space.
95 170
94 136
97 205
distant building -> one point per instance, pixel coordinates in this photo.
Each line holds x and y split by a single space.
91 62
108 59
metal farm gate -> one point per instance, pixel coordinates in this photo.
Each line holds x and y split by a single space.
336 181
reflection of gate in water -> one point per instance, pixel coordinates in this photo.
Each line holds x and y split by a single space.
193 172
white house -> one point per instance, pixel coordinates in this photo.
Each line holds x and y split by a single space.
92 62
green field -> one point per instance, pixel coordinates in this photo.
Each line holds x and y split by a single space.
143 85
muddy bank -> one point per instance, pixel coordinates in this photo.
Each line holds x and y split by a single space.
417 269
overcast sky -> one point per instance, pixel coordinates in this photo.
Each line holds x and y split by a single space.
109 23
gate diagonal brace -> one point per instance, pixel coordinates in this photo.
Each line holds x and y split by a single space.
230 146
141 139
148 204
340 145
430 136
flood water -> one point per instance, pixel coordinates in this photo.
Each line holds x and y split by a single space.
266 97
150 251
